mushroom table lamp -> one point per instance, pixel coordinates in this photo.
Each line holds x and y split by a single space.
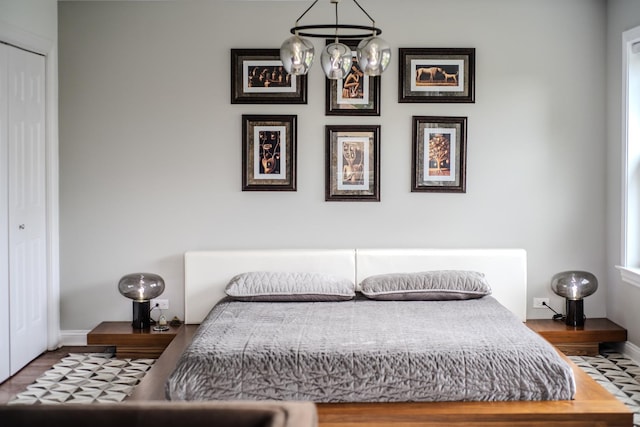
141 288
574 286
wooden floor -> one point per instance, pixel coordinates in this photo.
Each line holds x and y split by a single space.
37 367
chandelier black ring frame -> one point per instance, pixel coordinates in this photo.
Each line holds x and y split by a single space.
302 30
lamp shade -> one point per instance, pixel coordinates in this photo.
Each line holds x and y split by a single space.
296 54
574 285
336 61
374 56
141 286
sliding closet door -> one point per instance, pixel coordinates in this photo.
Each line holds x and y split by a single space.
4 219
27 207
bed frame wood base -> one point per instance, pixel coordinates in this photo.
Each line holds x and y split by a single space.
593 406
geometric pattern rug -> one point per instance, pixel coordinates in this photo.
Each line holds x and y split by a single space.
616 373
85 378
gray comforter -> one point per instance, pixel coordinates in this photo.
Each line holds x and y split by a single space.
368 351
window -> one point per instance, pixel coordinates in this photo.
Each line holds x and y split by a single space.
630 268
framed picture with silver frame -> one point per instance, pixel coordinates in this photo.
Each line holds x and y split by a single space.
356 94
437 75
439 154
352 163
258 77
269 152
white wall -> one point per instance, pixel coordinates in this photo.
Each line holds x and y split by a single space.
623 299
33 25
151 146
37 17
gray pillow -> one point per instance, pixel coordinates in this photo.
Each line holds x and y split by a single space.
289 286
428 285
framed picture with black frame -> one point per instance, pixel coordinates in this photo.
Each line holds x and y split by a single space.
437 75
439 154
258 77
269 152
356 94
352 163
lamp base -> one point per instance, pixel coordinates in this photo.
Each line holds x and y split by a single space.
141 315
575 313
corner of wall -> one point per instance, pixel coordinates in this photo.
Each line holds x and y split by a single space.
73 337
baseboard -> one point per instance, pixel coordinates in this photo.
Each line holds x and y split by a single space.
73 337
630 350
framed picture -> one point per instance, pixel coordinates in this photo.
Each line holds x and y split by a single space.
437 75
352 163
269 153
356 94
439 154
258 77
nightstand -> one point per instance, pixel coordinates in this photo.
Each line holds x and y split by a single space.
130 342
578 341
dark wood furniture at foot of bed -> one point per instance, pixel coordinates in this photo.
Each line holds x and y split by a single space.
593 406
163 414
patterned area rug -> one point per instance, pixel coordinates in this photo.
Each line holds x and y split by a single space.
616 373
86 378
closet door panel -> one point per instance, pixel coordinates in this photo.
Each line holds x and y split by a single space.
27 208
4 219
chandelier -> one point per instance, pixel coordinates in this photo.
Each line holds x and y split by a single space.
373 53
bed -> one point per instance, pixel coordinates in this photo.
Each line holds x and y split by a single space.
529 399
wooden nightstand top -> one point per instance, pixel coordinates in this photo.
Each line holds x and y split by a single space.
594 330
130 342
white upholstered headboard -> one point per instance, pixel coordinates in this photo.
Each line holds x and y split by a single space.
207 272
